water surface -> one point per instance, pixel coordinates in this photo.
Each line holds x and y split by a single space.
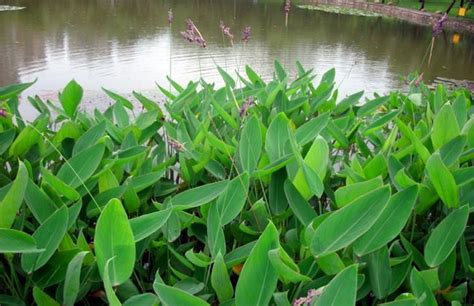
127 45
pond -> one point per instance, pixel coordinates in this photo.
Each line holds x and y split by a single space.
126 45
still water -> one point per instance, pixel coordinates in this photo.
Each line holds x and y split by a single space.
127 45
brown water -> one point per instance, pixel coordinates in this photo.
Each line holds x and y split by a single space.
127 45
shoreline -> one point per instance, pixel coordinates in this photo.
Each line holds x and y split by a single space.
413 16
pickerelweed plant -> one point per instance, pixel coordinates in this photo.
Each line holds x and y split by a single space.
274 193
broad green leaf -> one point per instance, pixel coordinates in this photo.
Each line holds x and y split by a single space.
11 203
198 196
444 237
390 223
347 224
404 302
370 106
277 138
6 139
250 145
58 185
42 298
40 205
145 225
347 102
14 90
220 279
73 277
341 290
285 267
174 296
118 98
443 181
380 274
114 240
277 201
311 129
349 193
13 241
145 299
231 202
421 290
317 160
444 127
229 81
70 98
82 166
108 286
45 239
330 264
89 138
451 151
258 278
300 207
215 232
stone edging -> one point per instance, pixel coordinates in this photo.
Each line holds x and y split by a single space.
421 18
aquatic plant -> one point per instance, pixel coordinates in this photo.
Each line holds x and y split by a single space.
279 192
193 35
226 32
246 34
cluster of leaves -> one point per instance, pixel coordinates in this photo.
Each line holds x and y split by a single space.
255 193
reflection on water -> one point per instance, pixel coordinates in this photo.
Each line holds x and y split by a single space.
127 44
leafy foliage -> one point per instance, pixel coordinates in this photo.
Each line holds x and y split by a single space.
275 192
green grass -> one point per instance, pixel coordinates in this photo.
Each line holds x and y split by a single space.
436 6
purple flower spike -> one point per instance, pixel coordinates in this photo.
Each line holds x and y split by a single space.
246 34
3 113
245 107
226 31
287 6
193 35
438 26
170 16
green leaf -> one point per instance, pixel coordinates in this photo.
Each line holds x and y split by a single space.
72 280
286 268
421 290
220 280
11 203
444 127
347 102
347 224
390 223
444 237
349 193
311 129
231 202
300 207
308 179
250 145
258 278
42 298
109 290
57 224
89 138
380 274
277 138
341 290
6 139
114 239
174 296
145 225
198 196
12 91
443 181
229 81
118 98
215 232
13 241
145 299
82 166
71 97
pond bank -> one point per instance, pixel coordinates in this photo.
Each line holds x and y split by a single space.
417 17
